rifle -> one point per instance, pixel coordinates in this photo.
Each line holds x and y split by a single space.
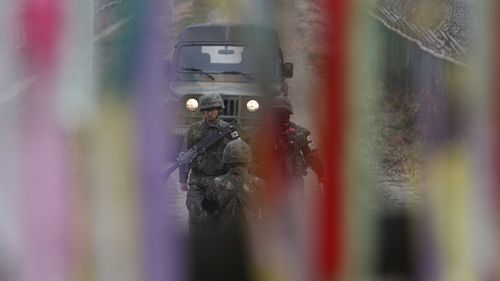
187 157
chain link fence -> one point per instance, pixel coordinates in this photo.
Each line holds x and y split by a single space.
110 15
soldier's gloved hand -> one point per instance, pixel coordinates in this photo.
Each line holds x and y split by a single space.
183 186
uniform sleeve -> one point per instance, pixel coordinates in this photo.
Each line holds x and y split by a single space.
316 164
234 133
307 145
184 169
311 154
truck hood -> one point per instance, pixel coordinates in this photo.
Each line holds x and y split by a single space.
181 88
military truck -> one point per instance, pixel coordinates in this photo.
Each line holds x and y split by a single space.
243 63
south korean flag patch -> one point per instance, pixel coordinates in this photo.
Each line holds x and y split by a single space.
310 143
234 135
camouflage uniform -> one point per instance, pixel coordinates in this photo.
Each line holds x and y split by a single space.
292 149
223 252
206 166
232 197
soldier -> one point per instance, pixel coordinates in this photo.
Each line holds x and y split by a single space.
291 146
208 164
285 151
233 196
231 203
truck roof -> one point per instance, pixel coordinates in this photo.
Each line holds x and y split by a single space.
232 33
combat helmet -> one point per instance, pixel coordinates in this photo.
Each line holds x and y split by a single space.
281 102
211 100
237 152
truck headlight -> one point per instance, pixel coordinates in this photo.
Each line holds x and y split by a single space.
192 104
252 105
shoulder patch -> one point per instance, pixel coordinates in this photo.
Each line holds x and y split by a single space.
312 147
309 138
234 134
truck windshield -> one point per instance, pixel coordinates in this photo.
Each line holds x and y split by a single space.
227 59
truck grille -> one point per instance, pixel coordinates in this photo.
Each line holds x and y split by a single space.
232 105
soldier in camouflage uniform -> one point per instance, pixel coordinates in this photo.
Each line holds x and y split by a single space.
291 146
208 164
231 203
233 196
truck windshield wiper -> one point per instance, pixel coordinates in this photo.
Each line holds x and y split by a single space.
199 71
250 77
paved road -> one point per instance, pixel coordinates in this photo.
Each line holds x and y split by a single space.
176 203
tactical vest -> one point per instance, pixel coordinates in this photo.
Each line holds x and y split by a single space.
208 162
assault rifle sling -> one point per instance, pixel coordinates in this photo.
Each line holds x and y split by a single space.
187 157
